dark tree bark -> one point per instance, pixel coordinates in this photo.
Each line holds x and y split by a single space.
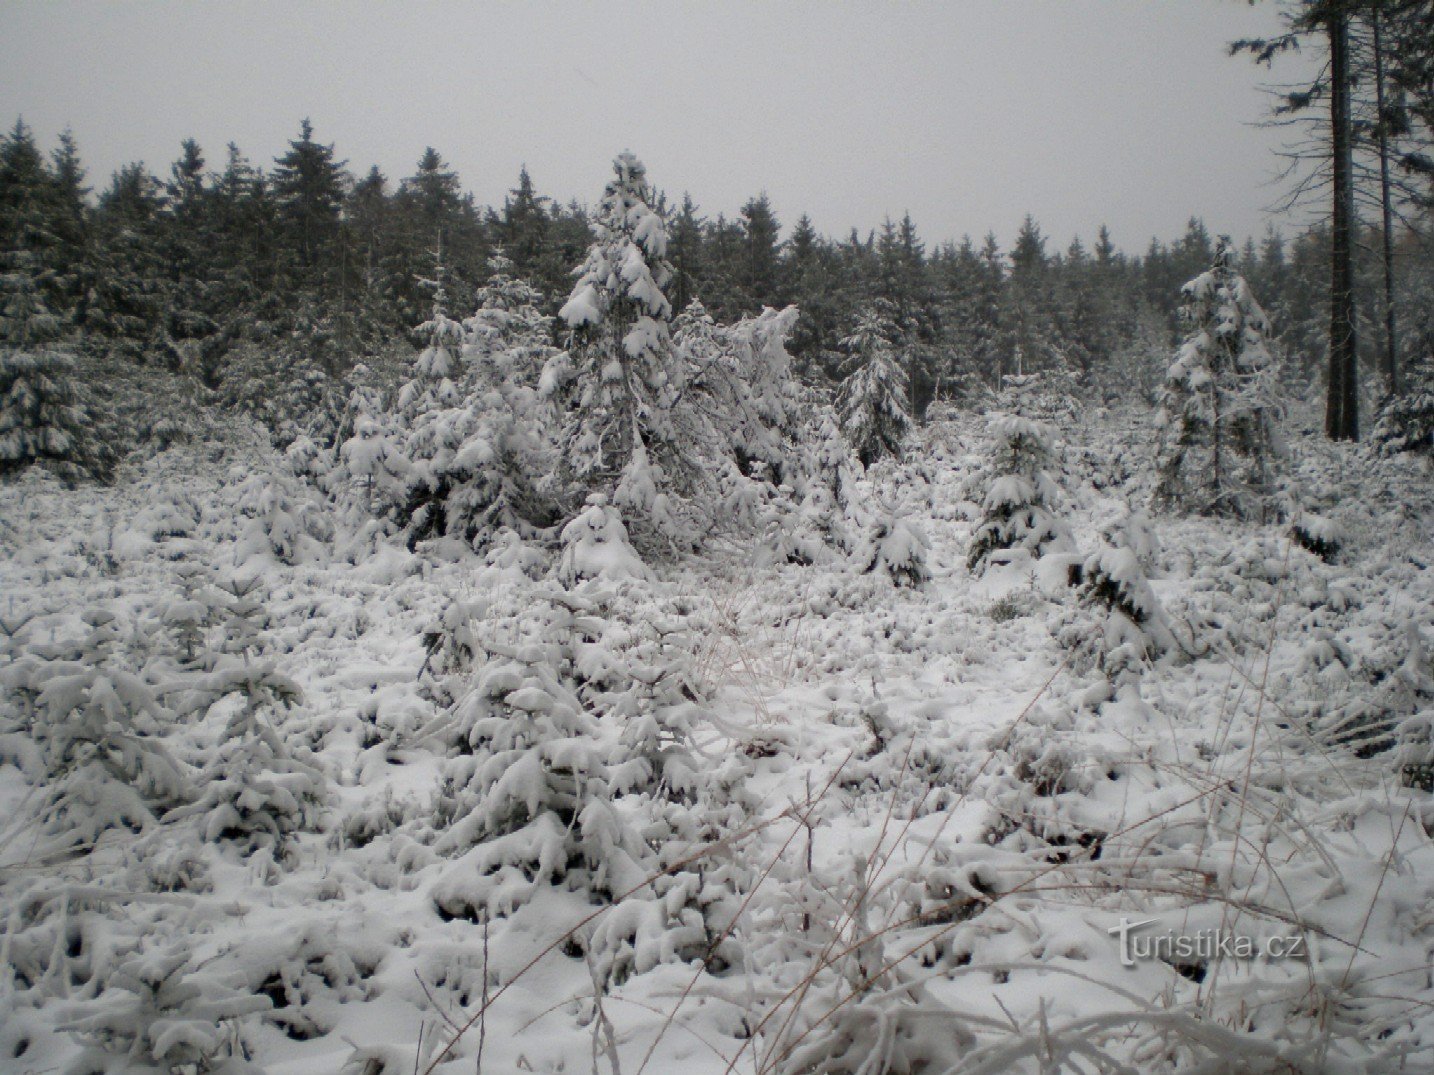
1342 401
1386 204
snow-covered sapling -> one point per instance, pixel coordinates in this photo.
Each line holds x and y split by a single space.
595 545
1021 496
159 1012
258 792
1321 536
1130 629
1219 441
530 794
98 728
894 547
873 400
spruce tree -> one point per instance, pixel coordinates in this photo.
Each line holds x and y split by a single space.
618 394
43 417
1219 443
1018 510
128 306
759 278
873 403
309 190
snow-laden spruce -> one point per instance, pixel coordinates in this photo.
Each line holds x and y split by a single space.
873 398
1220 443
258 790
527 800
618 384
1122 627
475 437
673 420
42 415
1019 506
98 727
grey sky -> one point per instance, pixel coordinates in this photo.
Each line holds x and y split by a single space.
969 114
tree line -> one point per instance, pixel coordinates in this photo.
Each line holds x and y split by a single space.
251 278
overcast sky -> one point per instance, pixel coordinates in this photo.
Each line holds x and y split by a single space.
967 113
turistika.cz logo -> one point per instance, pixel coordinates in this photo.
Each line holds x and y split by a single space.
1203 946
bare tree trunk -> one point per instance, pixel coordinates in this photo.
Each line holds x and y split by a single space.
1391 345
1342 404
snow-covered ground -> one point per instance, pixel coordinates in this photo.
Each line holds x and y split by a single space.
899 827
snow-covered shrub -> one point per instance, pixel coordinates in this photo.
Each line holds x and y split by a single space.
306 971
43 420
159 1013
258 792
873 403
899 1027
1128 629
1047 396
1405 422
475 434
98 728
1374 700
595 545
578 770
1021 497
370 449
831 480
895 547
280 521
189 613
1219 441
308 461
636 666
1321 536
801 537
857 1008
528 802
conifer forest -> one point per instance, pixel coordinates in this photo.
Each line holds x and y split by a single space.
606 634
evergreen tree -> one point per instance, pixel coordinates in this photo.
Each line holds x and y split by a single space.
258 791
1028 331
128 305
1021 496
70 219
188 237
308 186
523 229
476 451
1219 442
812 282
617 396
759 275
30 211
42 416
98 728
685 252
873 398
433 211
433 195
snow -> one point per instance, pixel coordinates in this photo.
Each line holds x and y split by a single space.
877 774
